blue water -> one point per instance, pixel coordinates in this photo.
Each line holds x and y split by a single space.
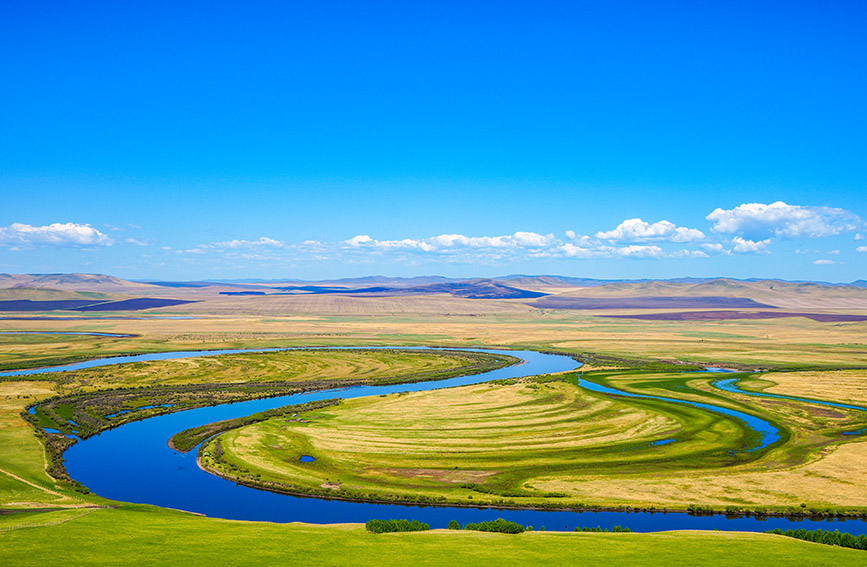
731 385
767 432
306 459
133 463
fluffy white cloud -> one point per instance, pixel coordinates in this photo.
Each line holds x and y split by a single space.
359 240
640 251
637 230
715 247
533 239
574 251
861 249
756 220
56 234
824 262
451 241
743 246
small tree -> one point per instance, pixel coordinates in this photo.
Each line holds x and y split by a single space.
453 525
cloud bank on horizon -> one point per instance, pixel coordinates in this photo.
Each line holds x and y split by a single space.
747 229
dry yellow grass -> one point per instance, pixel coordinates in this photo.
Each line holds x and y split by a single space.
424 440
752 343
836 479
844 386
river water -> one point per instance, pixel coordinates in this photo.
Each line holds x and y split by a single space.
132 463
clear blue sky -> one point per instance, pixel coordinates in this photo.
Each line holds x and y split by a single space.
325 139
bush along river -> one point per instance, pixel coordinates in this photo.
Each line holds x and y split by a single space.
133 463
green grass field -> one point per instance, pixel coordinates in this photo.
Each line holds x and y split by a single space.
140 535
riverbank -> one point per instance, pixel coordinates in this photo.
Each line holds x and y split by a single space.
540 443
96 540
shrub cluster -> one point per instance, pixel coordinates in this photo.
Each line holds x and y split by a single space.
826 537
615 529
499 525
387 526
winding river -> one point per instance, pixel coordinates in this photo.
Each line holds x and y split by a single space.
132 463
731 385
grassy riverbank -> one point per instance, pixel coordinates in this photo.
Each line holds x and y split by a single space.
549 443
141 535
89 401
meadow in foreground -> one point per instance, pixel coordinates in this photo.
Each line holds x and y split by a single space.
142 535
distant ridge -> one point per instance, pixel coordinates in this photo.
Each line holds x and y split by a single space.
646 303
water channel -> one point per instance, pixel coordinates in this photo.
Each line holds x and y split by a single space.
132 463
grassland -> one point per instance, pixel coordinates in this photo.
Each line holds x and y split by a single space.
92 400
546 442
819 360
793 343
140 535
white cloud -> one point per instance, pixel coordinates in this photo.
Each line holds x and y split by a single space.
861 249
756 220
859 236
405 243
636 230
358 240
824 262
640 251
742 246
56 234
571 234
715 247
690 254
574 251
533 239
263 241
452 241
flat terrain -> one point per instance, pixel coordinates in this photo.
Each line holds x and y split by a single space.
552 443
138 535
538 424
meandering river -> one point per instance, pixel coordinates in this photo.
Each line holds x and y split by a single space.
132 463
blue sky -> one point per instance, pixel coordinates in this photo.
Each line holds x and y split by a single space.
325 139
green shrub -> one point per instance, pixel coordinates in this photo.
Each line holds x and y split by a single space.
388 526
499 525
827 537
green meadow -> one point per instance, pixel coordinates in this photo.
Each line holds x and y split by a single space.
142 535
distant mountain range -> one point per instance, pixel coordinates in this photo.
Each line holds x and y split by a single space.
98 291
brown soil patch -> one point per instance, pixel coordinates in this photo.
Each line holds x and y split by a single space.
812 409
443 475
